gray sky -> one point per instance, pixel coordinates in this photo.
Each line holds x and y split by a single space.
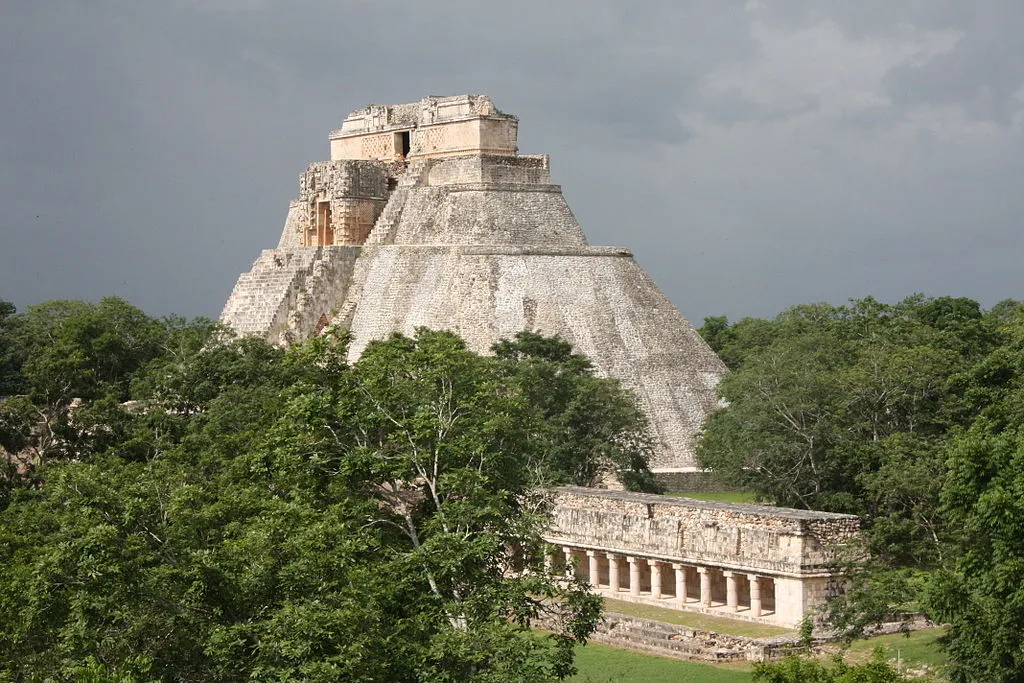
753 155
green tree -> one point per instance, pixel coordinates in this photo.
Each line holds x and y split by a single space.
847 408
590 427
978 589
852 409
734 342
75 361
302 520
801 670
10 375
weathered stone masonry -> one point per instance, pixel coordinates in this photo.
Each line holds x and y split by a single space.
753 562
427 215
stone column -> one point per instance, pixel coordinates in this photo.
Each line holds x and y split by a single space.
634 575
732 598
568 562
655 579
613 572
755 594
705 586
595 569
680 582
549 561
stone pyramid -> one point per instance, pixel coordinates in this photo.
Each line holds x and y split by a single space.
427 215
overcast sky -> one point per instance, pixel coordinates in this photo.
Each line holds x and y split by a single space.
753 155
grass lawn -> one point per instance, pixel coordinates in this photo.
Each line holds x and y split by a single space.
694 619
724 496
601 664
914 651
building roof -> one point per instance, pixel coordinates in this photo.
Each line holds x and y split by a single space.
694 503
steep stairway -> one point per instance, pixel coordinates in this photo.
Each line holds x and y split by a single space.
262 296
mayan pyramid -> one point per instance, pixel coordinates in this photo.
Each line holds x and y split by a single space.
427 215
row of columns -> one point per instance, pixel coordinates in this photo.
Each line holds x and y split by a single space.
594 557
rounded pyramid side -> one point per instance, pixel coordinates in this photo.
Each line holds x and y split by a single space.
598 299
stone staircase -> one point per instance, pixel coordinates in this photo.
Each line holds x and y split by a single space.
665 639
323 290
673 640
256 303
382 233
383 229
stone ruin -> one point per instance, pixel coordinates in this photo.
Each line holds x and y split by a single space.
427 215
754 562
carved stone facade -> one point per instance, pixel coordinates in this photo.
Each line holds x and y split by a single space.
753 562
433 127
468 235
339 201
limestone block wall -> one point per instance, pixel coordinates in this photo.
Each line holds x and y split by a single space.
294 226
475 214
487 136
598 300
499 136
751 562
382 146
291 294
796 597
489 169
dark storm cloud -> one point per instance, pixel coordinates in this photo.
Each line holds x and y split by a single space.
982 72
753 155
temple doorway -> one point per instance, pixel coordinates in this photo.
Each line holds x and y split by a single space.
324 229
403 144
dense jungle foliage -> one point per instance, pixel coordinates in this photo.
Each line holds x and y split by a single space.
176 504
912 416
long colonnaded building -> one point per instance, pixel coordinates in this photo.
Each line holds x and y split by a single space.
427 215
755 562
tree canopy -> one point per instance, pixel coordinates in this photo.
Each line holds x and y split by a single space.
255 512
909 415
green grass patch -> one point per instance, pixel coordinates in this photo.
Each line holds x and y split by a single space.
722 496
914 650
694 619
603 664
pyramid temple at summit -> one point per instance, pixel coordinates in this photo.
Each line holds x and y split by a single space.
427 215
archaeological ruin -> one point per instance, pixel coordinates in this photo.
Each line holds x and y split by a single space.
427 215
755 562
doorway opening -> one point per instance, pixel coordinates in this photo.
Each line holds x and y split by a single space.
324 229
403 143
